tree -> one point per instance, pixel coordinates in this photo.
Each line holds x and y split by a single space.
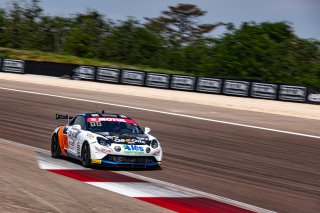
179 24
54 31
3 28
132 43
266 51
14 26
86 34
22 25
32 13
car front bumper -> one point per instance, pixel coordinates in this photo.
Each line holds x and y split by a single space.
128 161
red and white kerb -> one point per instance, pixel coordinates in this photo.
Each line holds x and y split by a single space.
163 196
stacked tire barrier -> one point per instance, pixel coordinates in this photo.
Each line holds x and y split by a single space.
234 87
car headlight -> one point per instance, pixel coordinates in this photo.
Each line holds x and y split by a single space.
154 144
103 141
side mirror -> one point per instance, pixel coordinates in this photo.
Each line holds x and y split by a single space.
77 127
147 130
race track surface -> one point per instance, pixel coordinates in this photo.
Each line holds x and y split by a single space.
271 170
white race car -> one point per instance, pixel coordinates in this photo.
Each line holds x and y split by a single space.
106 139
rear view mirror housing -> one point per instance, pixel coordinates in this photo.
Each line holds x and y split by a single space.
147 130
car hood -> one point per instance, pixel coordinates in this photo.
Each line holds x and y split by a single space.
126 138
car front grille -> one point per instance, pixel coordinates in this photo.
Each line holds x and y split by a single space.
130 159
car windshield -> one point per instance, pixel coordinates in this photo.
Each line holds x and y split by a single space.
114 126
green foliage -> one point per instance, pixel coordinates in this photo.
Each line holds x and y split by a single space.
132 43
179 26
173 41
269 52
86 34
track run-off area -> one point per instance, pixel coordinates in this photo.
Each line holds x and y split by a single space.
260 159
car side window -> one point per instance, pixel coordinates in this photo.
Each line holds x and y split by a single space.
79 120
72 121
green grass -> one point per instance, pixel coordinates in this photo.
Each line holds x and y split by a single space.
63 58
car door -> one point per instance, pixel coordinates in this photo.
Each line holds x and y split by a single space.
77 126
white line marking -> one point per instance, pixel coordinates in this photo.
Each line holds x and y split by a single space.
166 113
137 189
45 161
193 191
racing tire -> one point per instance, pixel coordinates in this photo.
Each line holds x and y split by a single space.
55 148
86 156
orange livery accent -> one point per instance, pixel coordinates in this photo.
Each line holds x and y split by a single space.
63 141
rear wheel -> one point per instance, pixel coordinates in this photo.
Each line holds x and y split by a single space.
55 148
86 155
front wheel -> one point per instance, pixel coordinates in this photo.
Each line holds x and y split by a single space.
86 156
55 148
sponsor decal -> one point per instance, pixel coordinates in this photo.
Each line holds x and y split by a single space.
128 141
78 149
292 93
72 137
90 135
183 82
97 119
158 80
71 143
10 65
314 97
236 87
260 90
108 74
133 149
84 72
117 148
209 85
75 134
106 150
132 77
96 161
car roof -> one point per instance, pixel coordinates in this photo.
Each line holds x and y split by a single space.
104 114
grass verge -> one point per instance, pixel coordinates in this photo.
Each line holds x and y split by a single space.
36 55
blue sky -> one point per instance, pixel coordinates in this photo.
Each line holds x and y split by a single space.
303 14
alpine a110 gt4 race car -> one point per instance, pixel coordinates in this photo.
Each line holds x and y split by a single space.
106 139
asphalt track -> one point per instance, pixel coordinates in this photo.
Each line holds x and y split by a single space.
271 170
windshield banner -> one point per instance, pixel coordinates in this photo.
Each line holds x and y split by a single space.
97 119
